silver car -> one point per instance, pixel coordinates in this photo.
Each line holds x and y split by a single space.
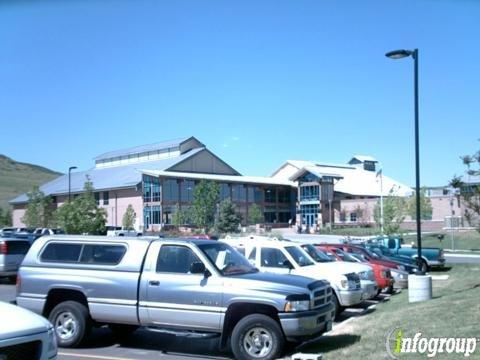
12 252
25 335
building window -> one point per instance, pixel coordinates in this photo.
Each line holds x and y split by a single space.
353 217
105 198
309 193
224 191
97 198
170 190
270 195
258 195
186 190
239 193
284 195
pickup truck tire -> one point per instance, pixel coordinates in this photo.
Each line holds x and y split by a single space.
257 336
122 330
72 323
423 266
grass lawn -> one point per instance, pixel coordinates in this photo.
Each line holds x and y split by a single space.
465 240
453 312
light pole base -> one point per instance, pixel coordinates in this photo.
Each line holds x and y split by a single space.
419 288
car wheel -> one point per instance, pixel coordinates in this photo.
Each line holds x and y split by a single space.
257 336
424 266
122 330
72 323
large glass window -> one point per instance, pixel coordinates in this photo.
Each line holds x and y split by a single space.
147 189
224 191
102 254
170 190
239 193
310 192
61 252
270 195
186 190
97 198
283 195
106 198
258 195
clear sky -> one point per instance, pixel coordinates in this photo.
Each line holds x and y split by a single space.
258 82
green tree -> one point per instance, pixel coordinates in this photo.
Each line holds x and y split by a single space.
228 219
128 219
255 215
425 206
181 216
82 215
394 212
204 207
39 211
5 217
469 191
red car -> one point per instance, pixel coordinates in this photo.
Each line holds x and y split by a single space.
383 277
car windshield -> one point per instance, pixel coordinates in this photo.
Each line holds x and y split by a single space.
317 255
226 259
348 257
299 256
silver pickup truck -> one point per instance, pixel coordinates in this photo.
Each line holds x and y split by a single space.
195 288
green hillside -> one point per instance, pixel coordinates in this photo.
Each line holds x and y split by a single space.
17 178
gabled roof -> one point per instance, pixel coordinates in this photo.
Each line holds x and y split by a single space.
106 178
355 181
315 171
142 149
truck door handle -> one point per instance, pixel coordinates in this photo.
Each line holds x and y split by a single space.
154 283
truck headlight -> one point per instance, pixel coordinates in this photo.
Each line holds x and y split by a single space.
297 305
52 343
297 302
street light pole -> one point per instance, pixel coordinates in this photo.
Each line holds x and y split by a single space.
398 54
69 181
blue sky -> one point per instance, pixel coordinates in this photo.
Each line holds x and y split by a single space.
258 82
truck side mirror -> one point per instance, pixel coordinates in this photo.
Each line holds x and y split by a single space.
288 264
197 268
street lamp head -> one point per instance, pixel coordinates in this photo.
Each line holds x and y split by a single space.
72 168
399 54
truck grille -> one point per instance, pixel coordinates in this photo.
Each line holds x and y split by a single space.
26 351
322 296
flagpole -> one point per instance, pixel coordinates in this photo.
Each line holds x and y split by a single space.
380 172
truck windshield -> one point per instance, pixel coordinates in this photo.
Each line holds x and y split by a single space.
317 255
299 256
349 257
226 259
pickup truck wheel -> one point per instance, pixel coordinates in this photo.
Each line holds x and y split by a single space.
257 336
122 330
424 266
71 322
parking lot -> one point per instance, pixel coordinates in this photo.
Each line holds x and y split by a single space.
149 345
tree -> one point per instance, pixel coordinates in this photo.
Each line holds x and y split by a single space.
394 211
255 215
181 216
228 219
128 219
425 206
39 211
5 218
204 207
469 191
82 215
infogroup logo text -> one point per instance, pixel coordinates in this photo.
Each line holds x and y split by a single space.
398 344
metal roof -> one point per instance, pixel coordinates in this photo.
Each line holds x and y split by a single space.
106 178
142 149
226 178
355 181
